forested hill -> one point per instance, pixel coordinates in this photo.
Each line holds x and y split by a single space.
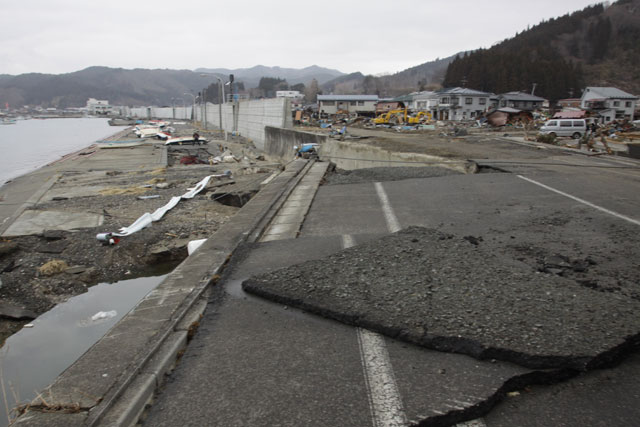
597 46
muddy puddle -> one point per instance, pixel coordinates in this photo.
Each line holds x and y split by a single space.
32 358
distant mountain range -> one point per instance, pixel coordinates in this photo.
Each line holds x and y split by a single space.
596 46
251 76
421 77
138 87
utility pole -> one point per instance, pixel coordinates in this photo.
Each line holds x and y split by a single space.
204 98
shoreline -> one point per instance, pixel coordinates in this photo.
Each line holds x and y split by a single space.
37 168
55 212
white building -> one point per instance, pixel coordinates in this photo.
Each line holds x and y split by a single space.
98 107
460 104
288 94
331 104
609 102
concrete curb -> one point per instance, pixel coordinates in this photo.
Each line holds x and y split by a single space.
112 382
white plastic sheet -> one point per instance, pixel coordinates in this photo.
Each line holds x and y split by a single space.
146 219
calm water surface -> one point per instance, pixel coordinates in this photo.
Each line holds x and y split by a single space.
32 358
31 144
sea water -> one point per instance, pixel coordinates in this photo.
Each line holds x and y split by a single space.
31 144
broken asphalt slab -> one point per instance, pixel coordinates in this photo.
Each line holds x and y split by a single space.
446 293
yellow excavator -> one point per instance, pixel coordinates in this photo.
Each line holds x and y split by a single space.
401 116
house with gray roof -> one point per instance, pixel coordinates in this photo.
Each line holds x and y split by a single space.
331 104
460 103
609 103
520 100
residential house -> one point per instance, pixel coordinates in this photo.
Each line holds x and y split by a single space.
423 101
609 103
460 104
569 103
519 100
331 104
384 105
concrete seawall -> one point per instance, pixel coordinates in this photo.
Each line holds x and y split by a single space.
279 142
248 118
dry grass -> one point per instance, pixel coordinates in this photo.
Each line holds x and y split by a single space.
158 171
53 267
118 191
155 181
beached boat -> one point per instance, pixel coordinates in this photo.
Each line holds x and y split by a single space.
116 121
186 140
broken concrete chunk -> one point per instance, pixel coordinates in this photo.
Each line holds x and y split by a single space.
53 235
7 248
449 295
14 312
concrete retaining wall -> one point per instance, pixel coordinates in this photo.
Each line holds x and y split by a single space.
251 117
349 155
279 142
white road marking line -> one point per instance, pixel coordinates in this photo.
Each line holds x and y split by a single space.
609 170
577 199
385 402
392 221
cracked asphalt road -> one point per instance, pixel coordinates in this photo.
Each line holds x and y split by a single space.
255 362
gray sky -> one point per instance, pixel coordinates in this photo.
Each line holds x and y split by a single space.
373 36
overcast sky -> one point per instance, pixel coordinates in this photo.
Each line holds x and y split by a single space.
373 36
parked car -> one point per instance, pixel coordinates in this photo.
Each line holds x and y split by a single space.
574 128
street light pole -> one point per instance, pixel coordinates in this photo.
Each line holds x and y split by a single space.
221 101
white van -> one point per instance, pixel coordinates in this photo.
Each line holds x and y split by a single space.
574 128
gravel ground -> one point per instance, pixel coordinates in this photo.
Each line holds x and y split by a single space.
449 293
385 174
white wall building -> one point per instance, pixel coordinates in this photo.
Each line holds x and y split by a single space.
609 102
98 107
331 104
288 94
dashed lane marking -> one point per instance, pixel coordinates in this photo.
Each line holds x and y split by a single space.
389 215
385 402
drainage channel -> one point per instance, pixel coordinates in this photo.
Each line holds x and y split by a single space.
32 358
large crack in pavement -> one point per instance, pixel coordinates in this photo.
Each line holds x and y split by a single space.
446 293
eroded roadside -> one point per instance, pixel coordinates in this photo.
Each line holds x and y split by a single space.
45 265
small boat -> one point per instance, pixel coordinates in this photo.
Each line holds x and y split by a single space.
8 121
186 140
147 132
117 121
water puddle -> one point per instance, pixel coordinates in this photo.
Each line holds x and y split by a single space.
32 358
